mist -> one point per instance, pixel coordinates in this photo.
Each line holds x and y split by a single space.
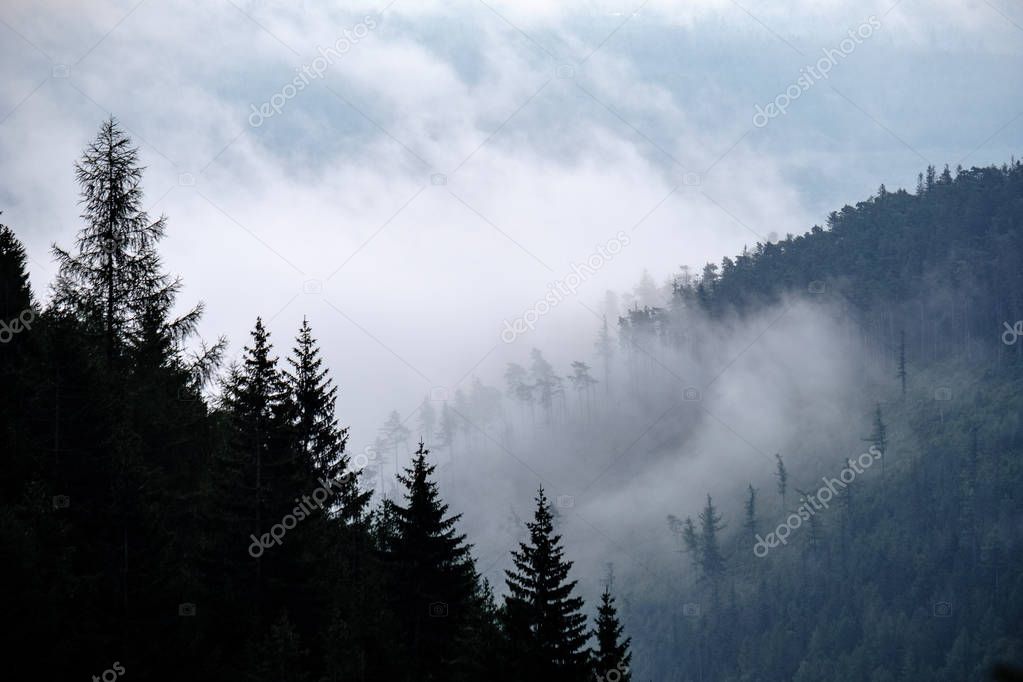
462 200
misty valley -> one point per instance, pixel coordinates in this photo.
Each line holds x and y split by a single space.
607 519
673 341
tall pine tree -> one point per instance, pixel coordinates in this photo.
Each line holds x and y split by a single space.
114 274
434 580
543 617
612 651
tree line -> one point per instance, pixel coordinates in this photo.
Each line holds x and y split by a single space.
145 523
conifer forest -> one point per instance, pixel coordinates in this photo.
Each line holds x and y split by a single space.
571 342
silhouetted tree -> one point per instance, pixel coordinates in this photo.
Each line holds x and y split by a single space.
782 475
435 580
543 618
612 652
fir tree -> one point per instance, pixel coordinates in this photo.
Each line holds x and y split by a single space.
427 419
712 561
435 579
612 652
582 381
394 434
901 374
879 436
257 473
605 350
543 617
319 439
447 428
751 513
782 475
15 290
518 387
546 383
17 319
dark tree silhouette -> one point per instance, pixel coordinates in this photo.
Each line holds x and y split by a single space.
612 652
543 617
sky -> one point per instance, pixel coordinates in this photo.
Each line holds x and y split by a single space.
443 165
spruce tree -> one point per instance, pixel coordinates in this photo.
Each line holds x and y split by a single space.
318 437
15 290
543 617
605 349
782 474
434 579
16 311
393 434
546 383
879 437
901 374
582 382
751 513
447 428
427 419
712 561
518 388
612 653
257 473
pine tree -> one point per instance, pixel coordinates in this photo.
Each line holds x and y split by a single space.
518 387
879 436
605 349
112 285
582 381
17 318
394 434
751 513
685 531
815 534
282 656
546 383
318 438
434 575
257 472
15 290
712 561
543 618
783 478
901 374
114 275
427 419
612 651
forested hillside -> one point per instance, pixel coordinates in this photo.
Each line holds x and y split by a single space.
166 515
912 569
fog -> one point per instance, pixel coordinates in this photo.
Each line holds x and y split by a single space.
455 162
668 428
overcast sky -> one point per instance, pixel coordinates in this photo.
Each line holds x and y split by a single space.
443 163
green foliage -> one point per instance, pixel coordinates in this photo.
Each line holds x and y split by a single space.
914 571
